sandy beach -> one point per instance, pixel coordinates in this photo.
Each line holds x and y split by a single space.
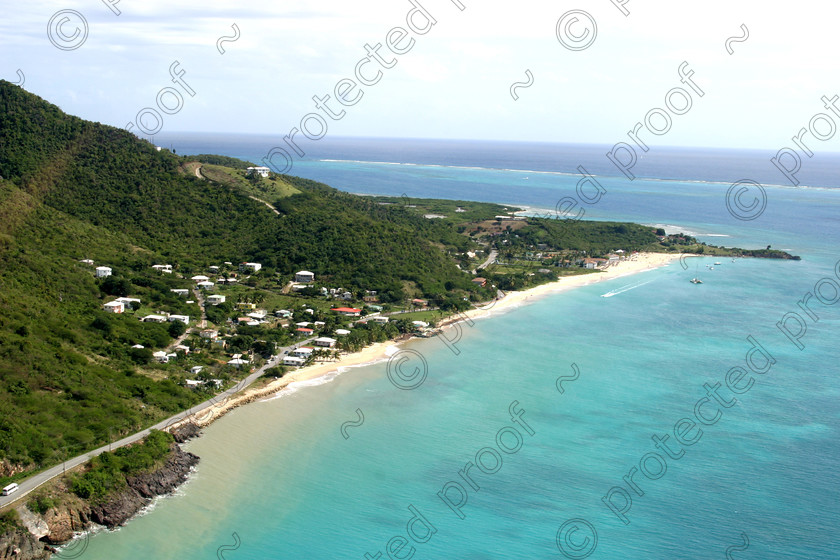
635 264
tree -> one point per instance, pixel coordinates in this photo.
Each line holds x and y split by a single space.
177 328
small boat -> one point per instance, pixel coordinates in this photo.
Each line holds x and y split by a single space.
717 263
696 281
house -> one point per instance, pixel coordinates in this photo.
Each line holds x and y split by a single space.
341 332
180 292
138 346
215 299
419 302
299 287
214 269
261 171
237 362
129 303
212 334
420 324
303 324
591 263
114 307
346 296
370 299
87 262
192 383
324 342
257 315
161 357
205 285
182 348
305 331
293 361
480 281
347 311
196 369
304 277
153 319
200 278
183 318
249 267
283 313
380 319
319 324
102 271
302 352
163 268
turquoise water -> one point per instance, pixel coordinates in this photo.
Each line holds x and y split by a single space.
278 480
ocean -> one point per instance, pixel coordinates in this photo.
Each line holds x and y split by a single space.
643 417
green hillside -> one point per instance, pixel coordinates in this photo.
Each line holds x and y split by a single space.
73 190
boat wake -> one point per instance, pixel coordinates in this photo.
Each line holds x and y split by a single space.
626 288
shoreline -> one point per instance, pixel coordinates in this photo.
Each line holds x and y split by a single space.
377 352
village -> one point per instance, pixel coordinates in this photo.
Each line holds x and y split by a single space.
229 320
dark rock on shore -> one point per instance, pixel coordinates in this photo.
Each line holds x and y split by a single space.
141 489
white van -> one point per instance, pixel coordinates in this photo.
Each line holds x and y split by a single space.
11 488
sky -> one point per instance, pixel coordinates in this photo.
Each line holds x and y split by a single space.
587 71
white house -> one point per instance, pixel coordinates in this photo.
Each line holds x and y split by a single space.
163 267
293 361
129 302
114 307
103 271
138 346
249 266
180 291
182 348
324 342
196 369
214 269
161 357
304 277
215 299
88 262
420 324
381 320
183 318
283 313
341 332
192 383
205 285
261 171
302 352
200 278
237 362
303 324
209 333
154 319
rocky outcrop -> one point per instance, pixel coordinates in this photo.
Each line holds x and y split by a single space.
141 489
185 432
60 524
21 545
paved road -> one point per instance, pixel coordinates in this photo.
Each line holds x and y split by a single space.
490 260
200 410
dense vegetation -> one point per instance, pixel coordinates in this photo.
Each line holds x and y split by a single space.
106 473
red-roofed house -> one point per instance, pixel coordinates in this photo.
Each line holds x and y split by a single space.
347 311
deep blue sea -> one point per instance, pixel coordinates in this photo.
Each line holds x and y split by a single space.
668 421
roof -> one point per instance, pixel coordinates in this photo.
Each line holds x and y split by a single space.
346 310
303 329
304 272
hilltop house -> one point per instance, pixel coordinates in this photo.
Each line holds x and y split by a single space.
249 267
102 271
261 171
304 277
114 307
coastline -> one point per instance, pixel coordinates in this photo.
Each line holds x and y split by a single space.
380 351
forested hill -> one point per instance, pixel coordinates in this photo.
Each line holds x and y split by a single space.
73 190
